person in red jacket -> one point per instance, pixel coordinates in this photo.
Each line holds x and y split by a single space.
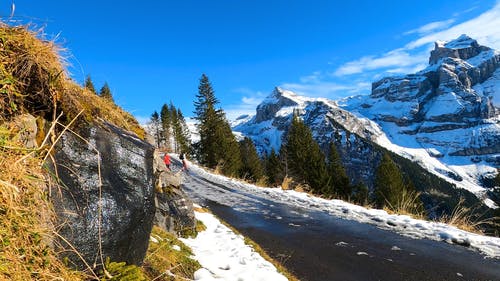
166 160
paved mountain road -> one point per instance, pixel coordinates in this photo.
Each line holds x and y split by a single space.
317 246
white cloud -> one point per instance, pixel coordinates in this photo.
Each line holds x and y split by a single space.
484 28
314 77
431 27
248 103
325 89
394 59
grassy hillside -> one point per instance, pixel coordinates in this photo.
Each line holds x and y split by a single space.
33 80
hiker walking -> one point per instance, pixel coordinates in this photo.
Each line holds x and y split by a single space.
166 160
184 162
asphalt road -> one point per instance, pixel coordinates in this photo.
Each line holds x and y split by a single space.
316 246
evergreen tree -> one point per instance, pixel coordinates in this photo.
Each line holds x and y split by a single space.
181 133
360 194
251 168
165 117
305 160
174 122
339 182
155 122
105 92
217 145
389 185
274 169
89 85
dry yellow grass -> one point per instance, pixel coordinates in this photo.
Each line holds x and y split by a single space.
463 218
25 215
33 80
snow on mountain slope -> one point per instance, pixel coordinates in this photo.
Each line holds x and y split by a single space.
449 111
445 118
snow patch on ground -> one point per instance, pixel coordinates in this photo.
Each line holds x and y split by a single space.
224 255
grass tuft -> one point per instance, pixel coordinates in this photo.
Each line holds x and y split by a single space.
463 218
168 259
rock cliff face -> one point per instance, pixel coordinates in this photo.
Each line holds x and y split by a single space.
104 198
451 108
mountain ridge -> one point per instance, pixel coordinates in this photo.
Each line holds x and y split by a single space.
445 117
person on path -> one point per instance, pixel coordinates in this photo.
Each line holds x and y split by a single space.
166 160
184 162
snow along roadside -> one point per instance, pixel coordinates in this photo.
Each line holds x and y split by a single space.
224 255
402 224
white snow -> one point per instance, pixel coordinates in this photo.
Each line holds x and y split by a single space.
402 224
461 42
224 255
447 103
490 88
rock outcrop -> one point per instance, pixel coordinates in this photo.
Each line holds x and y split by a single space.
174 210
104 194
462 48
449 106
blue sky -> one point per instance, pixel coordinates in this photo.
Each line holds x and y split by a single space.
154 52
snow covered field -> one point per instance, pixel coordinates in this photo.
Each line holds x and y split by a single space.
404 225
225 256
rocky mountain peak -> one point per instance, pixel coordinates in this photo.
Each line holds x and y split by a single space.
278 99
463 48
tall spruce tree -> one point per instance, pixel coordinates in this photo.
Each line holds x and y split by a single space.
165 118
155 122
174 122
274 169
89 85
251 168
360 193
105 92
389 185
181 133
339 182
217 145
305 160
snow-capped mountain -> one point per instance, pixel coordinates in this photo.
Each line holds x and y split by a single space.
445 118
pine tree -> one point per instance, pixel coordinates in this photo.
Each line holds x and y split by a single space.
217 145
389 185
251 168
89 85
274 169
305 160
155 122
181 133
105 92
174 122
360 193
165 118
339 182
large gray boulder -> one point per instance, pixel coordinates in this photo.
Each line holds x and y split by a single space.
103 194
